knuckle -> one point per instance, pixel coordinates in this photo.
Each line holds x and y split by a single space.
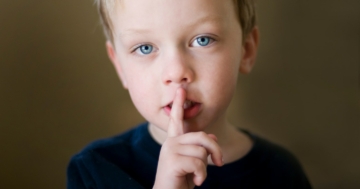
198 163
202 134
203 152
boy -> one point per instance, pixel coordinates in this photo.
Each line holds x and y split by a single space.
180 60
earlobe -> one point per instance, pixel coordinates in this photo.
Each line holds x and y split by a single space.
249 51
115 61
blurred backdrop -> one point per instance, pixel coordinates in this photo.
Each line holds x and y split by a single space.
59 91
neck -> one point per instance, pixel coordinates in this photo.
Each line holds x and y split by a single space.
234 144
221 129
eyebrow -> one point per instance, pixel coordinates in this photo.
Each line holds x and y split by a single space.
134 31
204 19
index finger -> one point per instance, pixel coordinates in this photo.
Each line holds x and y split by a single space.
176 126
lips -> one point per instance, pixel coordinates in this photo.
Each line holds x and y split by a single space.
191 109
188 104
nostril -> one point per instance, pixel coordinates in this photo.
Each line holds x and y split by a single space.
184 80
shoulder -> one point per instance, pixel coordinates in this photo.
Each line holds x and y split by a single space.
101 160
106 146
274 153
119 141
279 165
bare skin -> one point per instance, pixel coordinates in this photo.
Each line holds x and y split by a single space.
177 63
183 156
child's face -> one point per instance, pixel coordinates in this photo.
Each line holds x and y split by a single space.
161 45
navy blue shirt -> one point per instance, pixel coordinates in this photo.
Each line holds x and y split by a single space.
130 160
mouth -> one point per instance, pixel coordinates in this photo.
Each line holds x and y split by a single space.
191 108
187 104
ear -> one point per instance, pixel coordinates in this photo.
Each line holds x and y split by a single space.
249 51
114 59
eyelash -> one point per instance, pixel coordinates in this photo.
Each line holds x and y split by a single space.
138 48
211 40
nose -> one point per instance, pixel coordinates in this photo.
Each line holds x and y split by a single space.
177 69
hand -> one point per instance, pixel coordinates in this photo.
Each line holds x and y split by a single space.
183 157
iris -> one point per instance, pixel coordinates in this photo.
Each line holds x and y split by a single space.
146 49
203 41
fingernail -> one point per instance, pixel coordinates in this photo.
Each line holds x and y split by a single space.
222 160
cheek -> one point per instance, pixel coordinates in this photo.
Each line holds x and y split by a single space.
223 68
137 96
141 91
147 101
146 96
220 78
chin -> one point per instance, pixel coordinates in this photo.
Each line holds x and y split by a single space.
193 126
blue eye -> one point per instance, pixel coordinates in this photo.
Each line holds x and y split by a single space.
203 41
146 49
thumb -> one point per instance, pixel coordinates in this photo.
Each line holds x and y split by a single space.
176 126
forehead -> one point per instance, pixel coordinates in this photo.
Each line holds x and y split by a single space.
137 15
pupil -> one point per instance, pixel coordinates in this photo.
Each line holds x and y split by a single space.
146 49
203 41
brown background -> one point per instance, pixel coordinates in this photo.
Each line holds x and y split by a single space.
58 91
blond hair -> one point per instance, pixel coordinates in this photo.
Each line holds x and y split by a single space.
244 9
